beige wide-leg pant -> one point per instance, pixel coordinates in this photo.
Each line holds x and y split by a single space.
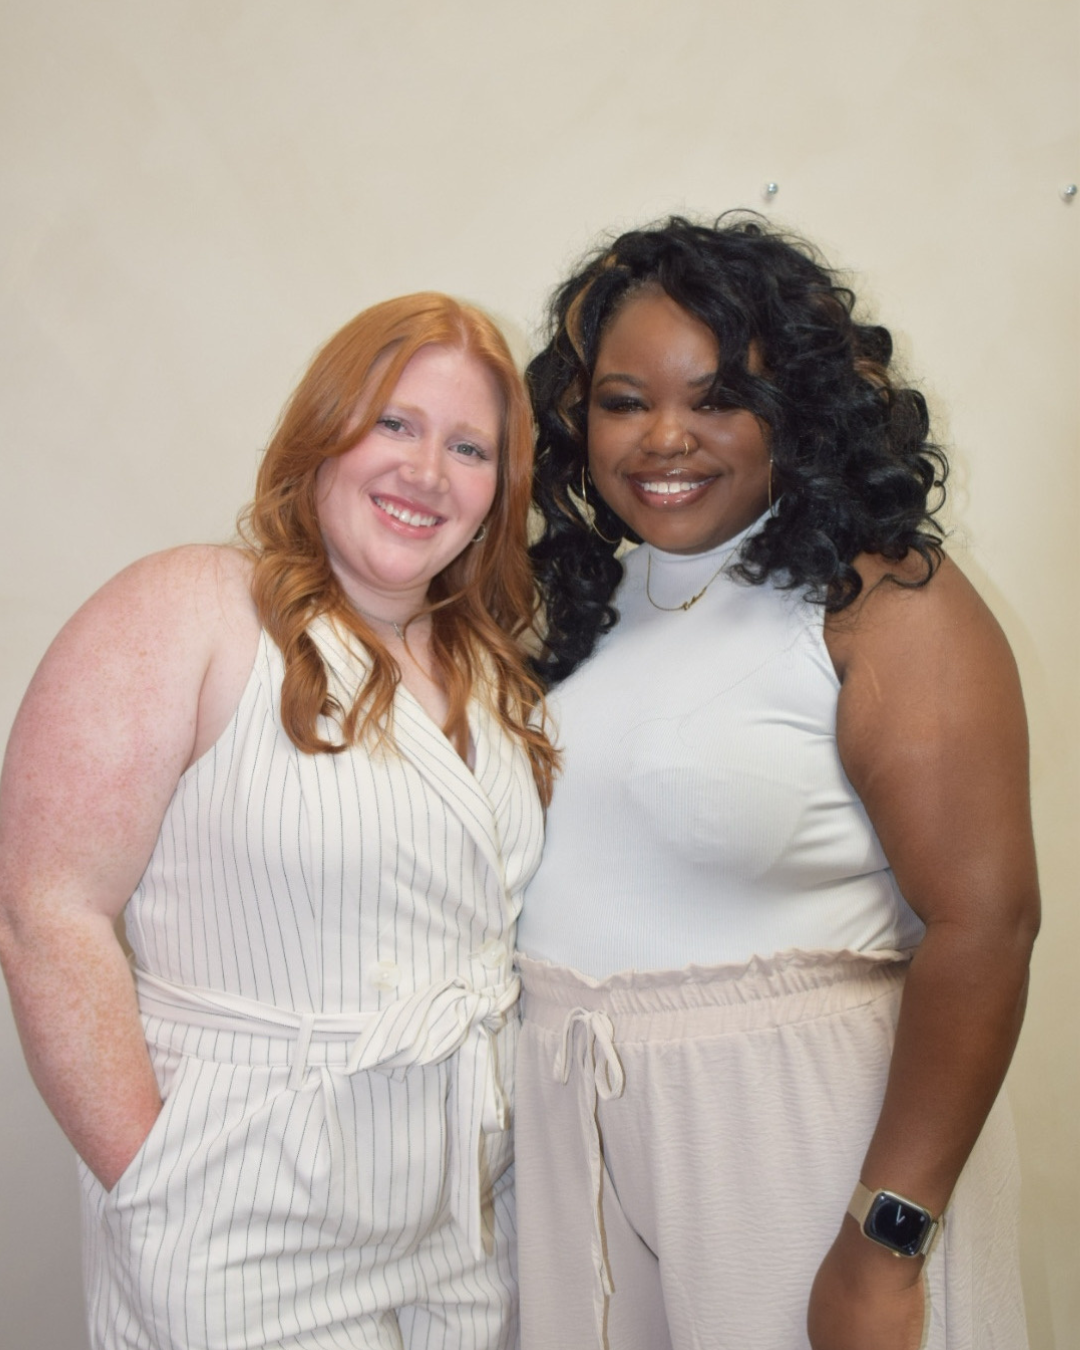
687 1143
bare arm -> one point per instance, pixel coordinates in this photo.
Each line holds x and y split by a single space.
136 686
932 734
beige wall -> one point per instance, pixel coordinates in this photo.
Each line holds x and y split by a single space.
195 193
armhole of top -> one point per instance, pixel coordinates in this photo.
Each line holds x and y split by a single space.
259 675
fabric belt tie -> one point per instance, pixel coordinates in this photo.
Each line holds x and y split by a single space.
427 1027
602 1075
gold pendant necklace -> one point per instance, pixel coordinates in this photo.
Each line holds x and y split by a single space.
686 604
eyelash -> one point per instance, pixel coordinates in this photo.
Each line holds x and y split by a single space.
622 403
472 449
468 448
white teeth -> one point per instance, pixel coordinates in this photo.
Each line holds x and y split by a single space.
670 487
409 517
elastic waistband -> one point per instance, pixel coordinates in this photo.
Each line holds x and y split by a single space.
791 986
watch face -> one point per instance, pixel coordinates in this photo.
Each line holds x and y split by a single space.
897 1223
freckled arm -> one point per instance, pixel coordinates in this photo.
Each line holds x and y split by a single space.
102 737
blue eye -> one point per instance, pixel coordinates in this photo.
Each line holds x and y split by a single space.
471 450
391 423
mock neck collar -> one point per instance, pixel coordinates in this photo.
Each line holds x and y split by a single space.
713 557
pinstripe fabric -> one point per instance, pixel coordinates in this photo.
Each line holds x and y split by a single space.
326 943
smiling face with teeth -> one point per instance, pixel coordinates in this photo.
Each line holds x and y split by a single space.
682 473
409 496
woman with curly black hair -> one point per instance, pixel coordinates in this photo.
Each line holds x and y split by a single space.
775 958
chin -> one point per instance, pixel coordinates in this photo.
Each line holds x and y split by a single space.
670 538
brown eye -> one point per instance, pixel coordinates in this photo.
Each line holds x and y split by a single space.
620 403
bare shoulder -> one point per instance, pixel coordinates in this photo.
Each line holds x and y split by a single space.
178 606
943 622
193 584
929 688
136 662
932 734
138 683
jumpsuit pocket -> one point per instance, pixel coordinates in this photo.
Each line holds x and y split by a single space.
185 1222
207 1104
170 1071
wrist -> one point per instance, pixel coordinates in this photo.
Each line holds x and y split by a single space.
868 1268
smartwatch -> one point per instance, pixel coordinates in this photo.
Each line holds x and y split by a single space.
895 1222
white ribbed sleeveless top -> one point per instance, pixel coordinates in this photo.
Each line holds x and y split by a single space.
703 815
338 883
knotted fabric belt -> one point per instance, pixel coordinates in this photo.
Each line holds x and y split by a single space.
425 1028
601 1076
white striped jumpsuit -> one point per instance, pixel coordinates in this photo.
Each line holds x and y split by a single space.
322 948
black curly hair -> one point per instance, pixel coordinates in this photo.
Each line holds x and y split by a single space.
853 466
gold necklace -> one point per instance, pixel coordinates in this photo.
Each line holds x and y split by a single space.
686 604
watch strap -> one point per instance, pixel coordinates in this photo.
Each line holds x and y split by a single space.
861 1203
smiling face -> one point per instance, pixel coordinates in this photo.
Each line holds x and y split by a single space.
403 502
682 473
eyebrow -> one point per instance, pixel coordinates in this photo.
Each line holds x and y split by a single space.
617 377
464 428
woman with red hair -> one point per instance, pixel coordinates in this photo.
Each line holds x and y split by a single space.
305 772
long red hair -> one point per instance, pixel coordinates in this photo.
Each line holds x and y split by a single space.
483 604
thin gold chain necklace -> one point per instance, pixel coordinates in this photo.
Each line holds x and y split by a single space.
686 604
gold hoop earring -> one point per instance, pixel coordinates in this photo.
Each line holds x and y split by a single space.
590 511
480 534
